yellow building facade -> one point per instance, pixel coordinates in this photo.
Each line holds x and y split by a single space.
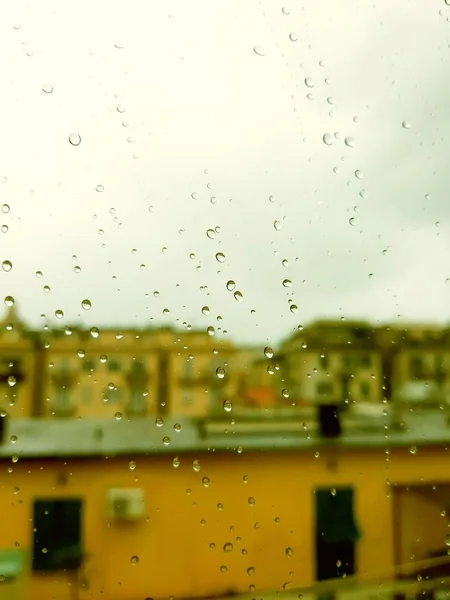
218 513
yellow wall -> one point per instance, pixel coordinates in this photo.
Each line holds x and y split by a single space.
174 546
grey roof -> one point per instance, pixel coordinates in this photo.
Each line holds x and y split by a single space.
83 437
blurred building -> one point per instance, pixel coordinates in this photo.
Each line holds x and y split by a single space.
333 361
90 373
127 509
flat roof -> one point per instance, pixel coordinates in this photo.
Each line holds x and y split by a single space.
35 438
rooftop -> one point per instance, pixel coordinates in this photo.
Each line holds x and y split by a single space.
277 431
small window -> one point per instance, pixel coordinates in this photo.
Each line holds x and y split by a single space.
324 361
88 366
366 361
113 366
57 535
365 389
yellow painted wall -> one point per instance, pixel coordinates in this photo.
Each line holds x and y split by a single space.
185 518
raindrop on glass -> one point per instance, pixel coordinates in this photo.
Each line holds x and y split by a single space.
86 304
220 372
350 142
309 82
258 51
220 257
47 88
328 139
75 139
7 265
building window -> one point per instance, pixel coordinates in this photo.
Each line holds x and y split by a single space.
113 366
415 367
366 361
365 389
57 534
88 366
324 361
336 533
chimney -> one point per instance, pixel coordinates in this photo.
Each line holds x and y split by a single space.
329 420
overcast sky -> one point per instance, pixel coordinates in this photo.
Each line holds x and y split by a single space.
191 116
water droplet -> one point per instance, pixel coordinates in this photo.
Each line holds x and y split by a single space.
293 37
196 465
119 45
309 82
46 289
9 301
293 308
59 314
166 440
289 552
268 352
285 393
77 269
277 225
99 188
250 571
205 310
13 439
447 535
328 139
12 381
228 547
413 450
406 124
5 228
251 501
94 331
132 465
287 283
81 353
350 142
166 312
220 372
118 415
258 51
220 257
176 462
134 560
285 10
224 568
359 174
227 405
75 139
177 427
86 304
159 422
211 233
352 221
210 330
7 265
47 88
238 296
206 482
231 285
120 108
5 208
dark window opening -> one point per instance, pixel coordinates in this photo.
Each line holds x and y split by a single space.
336 533
57 535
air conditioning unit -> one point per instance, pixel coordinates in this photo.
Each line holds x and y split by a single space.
126 504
